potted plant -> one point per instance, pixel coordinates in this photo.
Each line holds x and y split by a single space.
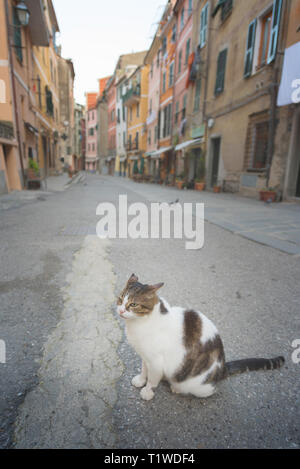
217 187
199 185
180 181
268 194
200 176
33 169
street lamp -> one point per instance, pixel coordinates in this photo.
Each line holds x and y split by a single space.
23 13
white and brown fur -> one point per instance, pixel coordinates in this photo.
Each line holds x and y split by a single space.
179 345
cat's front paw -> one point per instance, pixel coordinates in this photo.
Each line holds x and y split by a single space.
138 381
147 394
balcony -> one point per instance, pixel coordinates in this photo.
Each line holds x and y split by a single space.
132 96
6 130
132 146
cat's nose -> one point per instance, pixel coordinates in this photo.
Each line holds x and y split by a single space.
122 311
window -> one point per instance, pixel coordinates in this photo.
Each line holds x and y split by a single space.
124 113
226 7
174 32
137 140
164 46
49 102
138 110
166 121
190 10
130 113
119 117
197 95
250 49
164 83
182 19
149 137
221 67
171 75
187 50
17 36
264 39
39 91
157 59
184 106
150 107
155 134
203 26
176 112
124 139
179 61
129 142
261 145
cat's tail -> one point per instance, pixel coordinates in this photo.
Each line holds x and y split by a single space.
253 364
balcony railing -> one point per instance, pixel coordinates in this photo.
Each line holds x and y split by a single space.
132 146
132 95
6 130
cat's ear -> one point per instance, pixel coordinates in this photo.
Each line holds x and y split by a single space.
156 287
133 279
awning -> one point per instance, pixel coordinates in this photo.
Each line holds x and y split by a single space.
189 143
160 151
31 128
289 90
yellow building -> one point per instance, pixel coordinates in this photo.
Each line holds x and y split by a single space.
46 86
136 101
10 168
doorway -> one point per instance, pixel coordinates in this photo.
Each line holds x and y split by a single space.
215 160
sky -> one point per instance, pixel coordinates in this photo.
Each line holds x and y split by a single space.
94 33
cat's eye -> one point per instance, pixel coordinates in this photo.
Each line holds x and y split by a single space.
132 305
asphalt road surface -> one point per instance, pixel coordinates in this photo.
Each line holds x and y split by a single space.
66 380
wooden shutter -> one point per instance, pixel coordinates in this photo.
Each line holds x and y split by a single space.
221 66
274 30
250 48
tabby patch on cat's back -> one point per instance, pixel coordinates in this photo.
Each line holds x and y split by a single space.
180 345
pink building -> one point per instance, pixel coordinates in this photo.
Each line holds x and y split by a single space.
91 156
112 125
184 10
184 56
153 59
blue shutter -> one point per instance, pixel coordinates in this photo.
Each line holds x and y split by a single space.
274 30
250 48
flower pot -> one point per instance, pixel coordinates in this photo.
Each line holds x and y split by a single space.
217 189
179 184
31 174
267 196
199 186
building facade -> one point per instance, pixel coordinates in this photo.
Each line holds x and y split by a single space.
91 157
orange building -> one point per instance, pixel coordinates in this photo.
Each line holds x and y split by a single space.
168 51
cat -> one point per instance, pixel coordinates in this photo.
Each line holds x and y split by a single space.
180 345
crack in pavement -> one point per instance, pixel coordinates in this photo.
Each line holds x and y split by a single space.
72 405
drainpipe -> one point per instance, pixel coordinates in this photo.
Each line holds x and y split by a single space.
285 14
14 92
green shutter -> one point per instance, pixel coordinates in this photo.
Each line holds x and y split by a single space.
221 67
197 95
250 48
17 36
274 30
203 25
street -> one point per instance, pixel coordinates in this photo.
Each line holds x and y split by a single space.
66 382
